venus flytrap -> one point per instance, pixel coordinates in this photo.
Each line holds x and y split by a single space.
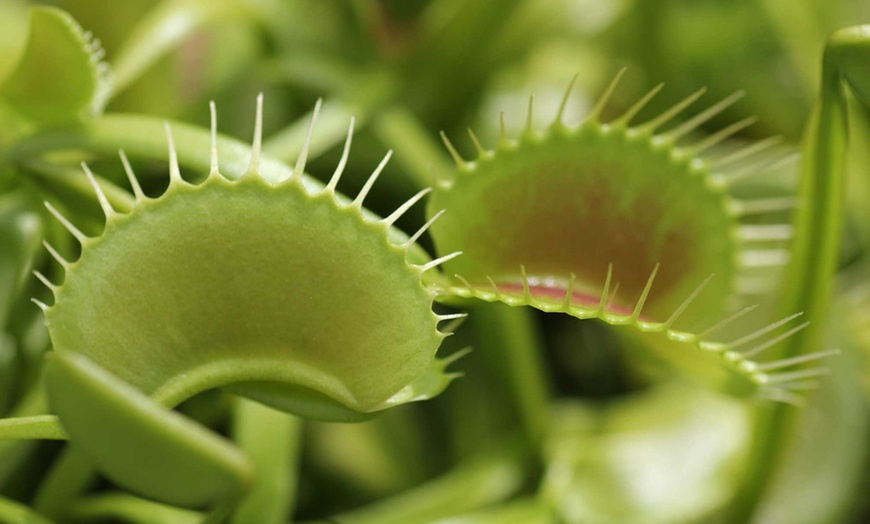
818 232
621 223
259 342
248 276
58 44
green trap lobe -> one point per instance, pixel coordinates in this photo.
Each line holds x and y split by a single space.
232 282
576 204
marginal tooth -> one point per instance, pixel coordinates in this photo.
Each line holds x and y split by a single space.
788 362
765 165
451 316
416 236
502 129
214 152
564 104
451 327
40 304
401 210
358 201
55 255
676 109
339 169
745 152
527 293
605 98
257 142
108 210
455 320
796 375
774 341
530 117
442 180
299 168
679 311
763 331
643 296
174 170
438 261
74 231
765 233
454 357
745 285
612 299
602 305
806 385
720 136
42 278
759 206
481 152
764 257
495 288
460 162
632 112
465 282
786 397
728 320
569 293
134 182
696 121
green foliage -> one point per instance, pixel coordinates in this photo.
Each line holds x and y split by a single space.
60 76
666 317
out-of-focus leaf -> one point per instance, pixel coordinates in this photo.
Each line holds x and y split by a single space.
60 76
20 232
669 455
825 463
13 33
15 513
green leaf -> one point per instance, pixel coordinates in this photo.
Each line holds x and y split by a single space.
671 455
139 444
20 232
60 76
15 513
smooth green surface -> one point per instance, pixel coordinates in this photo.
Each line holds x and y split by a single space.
671 455
577 200
58 77
139 444
130 509
474 484
246 282
271 439
12 512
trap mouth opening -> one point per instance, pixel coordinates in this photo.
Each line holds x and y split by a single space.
589 360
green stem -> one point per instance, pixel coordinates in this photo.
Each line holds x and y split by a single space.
15 453
161 30
509 335
71 476
470 486
818 226
128 508
270 439
520 511
11 511
36 427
